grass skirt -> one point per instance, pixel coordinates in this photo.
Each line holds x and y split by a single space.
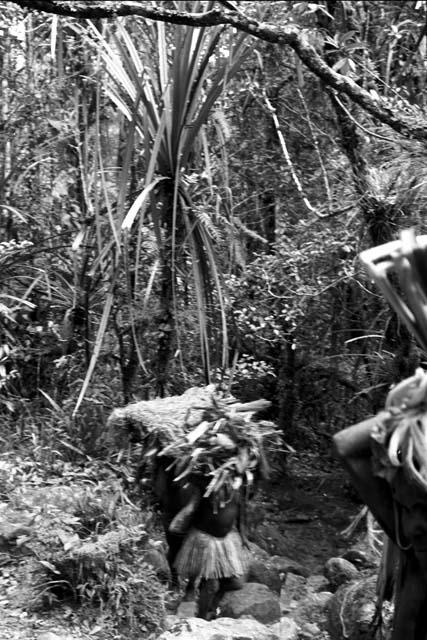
204 556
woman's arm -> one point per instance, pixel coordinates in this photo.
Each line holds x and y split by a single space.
182 521
242 521
353 448
356 440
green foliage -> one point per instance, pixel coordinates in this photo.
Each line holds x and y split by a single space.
300 311
247 378
86 543
44 430
141 169
284 289
166 82
13 310
149 194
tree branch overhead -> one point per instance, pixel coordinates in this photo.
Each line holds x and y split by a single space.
411 126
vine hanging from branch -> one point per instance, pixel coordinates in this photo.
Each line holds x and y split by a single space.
292 170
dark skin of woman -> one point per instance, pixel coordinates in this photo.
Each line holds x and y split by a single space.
217 519
183 507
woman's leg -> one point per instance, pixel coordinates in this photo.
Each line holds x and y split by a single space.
208 589
174 543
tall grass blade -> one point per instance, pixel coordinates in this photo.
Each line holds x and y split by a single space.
51 401
140 204
97 348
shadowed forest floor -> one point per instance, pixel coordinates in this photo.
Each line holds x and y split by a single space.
303 514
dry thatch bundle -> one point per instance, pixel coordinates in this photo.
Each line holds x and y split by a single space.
172 416
167 416
202 433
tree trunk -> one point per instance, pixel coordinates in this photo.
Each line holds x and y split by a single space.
286 392
166 322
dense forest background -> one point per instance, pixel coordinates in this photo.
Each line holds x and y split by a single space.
186 204
185 189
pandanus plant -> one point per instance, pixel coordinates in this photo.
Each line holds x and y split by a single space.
165 80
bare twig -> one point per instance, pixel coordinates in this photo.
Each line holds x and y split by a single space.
360 126
316 148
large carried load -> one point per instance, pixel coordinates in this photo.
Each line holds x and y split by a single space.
205 452
202 433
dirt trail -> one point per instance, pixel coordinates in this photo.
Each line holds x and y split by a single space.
302 515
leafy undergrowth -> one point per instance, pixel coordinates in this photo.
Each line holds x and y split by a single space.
72 550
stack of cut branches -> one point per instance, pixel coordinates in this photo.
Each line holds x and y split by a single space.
201 434
228 447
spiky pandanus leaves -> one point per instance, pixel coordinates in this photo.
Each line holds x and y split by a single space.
165 80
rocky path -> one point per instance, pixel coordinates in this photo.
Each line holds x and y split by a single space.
296 525
300 587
